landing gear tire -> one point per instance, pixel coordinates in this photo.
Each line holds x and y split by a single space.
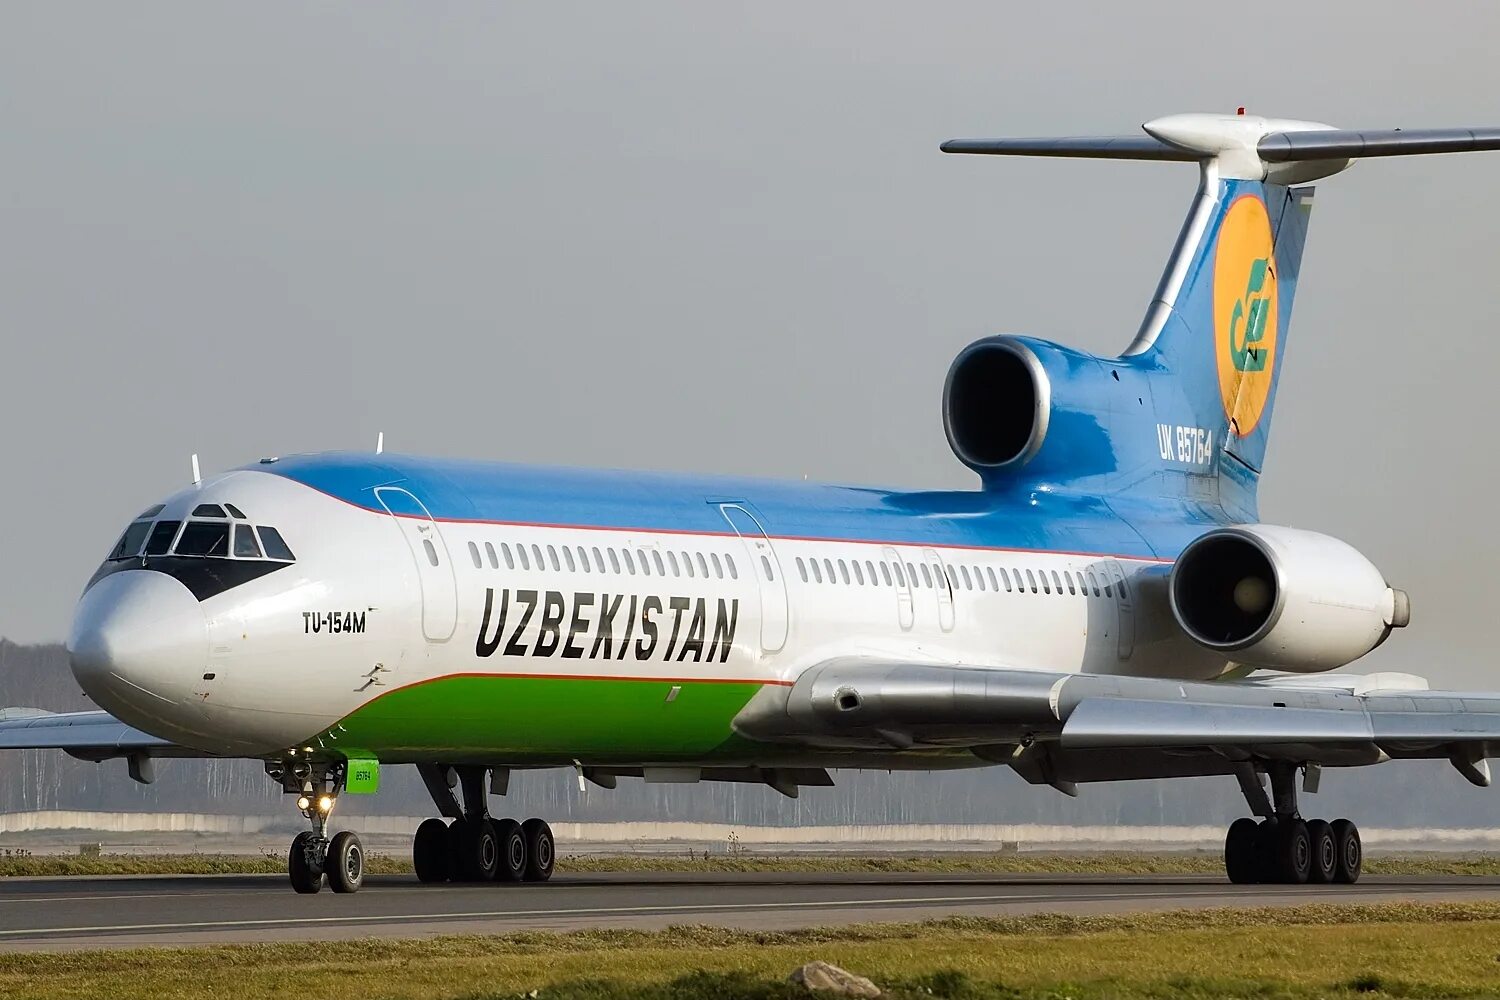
513 853
1240 852
429 852
306 877
476 849
1291 852
1324 852
346 863
541 850
1349 850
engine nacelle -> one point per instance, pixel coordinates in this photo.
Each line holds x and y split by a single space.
1010 402
1282 598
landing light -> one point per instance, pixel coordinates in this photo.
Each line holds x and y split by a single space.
303 802
325 804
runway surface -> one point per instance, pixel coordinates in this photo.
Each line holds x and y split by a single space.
71 913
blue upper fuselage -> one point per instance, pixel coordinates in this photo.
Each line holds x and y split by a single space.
1036 517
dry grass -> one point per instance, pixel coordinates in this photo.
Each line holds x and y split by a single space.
1110 863
1401 950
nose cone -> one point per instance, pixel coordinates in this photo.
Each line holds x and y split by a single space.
138 642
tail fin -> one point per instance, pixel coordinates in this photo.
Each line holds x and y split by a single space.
1221 317
1215 336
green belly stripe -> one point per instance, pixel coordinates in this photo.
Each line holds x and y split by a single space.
515 718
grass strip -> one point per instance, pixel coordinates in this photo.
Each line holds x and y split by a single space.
1397 950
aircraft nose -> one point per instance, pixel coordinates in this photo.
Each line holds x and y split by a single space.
138 641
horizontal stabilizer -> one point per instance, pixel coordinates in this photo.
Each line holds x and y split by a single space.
1335 144
1098 147
1246 146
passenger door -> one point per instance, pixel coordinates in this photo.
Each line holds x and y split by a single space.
941 587
1126 608
904 611
430 554
766 569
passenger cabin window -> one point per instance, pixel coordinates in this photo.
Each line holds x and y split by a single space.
130 542
432 555
719 568
816 571
702 566
474 555
275 548
525 559
489 551
583 559
203 538
245 545
765 564
568 558
734 571
802 569
161 537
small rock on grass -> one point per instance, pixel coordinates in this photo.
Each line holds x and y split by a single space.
820 977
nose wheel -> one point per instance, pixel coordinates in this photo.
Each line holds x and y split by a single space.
313 854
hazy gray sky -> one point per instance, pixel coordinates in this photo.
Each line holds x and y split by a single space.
691 237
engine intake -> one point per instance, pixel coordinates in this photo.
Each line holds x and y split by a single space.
995 404
1283 598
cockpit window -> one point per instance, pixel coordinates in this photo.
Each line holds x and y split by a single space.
203 538
208 510
130 542
235 511
149 512
245 545
161 537
270 540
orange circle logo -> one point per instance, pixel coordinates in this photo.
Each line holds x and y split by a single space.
1245 312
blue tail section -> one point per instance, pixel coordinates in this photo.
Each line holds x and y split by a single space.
1216 336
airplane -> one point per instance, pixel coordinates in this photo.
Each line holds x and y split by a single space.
1106 605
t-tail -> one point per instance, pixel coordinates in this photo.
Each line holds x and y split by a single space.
1186 411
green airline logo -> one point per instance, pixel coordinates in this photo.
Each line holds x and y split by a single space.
1252 310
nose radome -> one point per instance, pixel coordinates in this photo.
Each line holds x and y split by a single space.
139 640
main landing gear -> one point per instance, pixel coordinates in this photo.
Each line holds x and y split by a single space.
472 846
313 853
1284 848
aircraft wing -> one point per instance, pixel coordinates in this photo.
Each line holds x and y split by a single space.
1064 728
90 735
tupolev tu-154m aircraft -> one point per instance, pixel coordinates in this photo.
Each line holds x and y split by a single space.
1106 606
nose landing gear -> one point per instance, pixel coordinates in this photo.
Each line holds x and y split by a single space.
313 854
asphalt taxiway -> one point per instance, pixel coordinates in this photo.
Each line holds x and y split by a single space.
128 911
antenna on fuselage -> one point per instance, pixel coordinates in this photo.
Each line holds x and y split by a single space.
380 442
197 476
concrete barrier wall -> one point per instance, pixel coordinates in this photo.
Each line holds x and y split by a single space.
581 835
